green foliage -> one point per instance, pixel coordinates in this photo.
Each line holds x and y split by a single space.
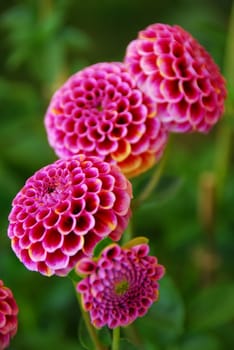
164 322
197 342
39 41
212 307
104 334
42 43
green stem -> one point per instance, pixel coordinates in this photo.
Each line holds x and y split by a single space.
91 330
129 233
154 180
116 338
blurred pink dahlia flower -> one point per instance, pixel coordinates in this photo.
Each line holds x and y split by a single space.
99 111
65 209
172 68
8 316
120 286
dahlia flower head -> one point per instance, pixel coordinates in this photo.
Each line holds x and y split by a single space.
120 285
65 209
172 68
8 316
100 111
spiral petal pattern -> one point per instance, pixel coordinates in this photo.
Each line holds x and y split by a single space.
171 67
99 111
8 316
65 209
120 286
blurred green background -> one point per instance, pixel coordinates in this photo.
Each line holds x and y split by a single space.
188 218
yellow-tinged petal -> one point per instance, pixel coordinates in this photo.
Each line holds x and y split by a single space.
123 151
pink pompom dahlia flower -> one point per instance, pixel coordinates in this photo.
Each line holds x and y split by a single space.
171 67
120 286
8 316
65 209
99 111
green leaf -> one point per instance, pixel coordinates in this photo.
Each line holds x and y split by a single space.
212 307
74 277
101 245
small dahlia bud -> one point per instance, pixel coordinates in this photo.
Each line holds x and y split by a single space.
171 67
65 209
8 316
99 111
120 286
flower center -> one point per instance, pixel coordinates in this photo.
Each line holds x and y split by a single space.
51 188
121 287
54 190
99 107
